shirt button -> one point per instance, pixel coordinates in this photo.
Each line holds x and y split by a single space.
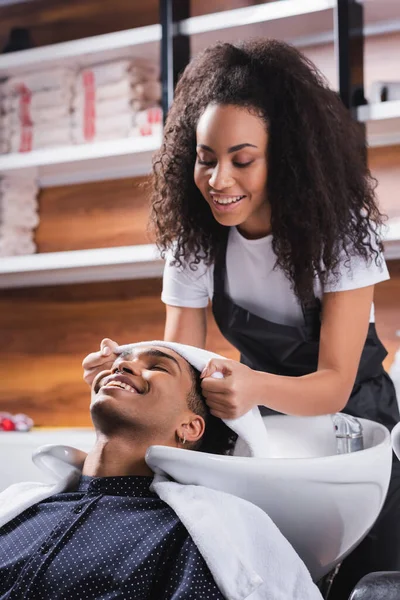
78 509
44 548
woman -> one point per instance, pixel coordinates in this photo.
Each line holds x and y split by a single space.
264 204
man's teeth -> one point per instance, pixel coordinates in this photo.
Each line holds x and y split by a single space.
230 200
122 385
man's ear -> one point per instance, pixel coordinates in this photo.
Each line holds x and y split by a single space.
192 430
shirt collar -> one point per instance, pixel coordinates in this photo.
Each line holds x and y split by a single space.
133 485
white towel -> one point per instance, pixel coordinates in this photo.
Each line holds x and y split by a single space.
58 78
99 93
105 73
250 427
246 553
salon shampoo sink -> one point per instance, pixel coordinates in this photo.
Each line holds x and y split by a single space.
324 503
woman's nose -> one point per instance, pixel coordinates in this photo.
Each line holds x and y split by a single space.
221 178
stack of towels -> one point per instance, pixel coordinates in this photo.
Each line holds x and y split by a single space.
18 215
37 110
112 99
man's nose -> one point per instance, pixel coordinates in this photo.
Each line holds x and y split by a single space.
127 366
221 178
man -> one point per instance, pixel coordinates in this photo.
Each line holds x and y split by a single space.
110 536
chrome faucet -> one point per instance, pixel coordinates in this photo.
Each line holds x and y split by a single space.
348 432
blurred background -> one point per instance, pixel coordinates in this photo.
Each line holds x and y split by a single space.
81 114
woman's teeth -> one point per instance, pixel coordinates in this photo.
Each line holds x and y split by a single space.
227 200
122 385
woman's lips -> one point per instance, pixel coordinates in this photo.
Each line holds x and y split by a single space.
220 203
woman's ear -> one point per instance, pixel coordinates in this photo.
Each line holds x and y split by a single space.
191 431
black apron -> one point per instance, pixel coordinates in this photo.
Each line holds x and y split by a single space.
293 351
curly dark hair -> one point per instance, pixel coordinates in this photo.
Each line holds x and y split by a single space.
322 195
218 438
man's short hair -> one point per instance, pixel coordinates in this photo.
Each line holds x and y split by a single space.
218 438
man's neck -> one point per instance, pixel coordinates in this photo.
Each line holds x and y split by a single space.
116 457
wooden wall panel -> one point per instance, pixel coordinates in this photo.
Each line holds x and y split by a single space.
46 332
93 215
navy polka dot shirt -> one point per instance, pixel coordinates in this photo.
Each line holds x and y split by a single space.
111 538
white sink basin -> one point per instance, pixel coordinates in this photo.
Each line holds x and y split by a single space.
16 451
322 502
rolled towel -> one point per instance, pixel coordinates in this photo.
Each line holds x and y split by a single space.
48 79
148 90
114 71
39 116
91 128
98 93
23 185
17 249
18 219
103 109
48 98
151 116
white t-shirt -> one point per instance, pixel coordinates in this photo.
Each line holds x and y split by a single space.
254 284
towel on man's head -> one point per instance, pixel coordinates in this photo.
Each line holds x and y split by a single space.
252 434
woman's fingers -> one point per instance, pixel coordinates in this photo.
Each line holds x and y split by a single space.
98 361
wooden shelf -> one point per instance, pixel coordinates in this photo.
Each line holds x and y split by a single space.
382 121
126 157
81 266
111 264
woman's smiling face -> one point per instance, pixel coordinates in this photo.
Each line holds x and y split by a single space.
231 167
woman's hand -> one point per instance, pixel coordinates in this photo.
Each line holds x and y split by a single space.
233 395
99 361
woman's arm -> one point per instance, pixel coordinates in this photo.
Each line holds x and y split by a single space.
186 325
345 320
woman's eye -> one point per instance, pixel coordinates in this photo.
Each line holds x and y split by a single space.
207 163
241 165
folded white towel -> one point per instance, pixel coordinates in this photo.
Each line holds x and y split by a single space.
16 247
32 138
250 427
148 90
150 116
38 116
246 553
99 93
59 78
48 98
21 185
105 73
106 108
114 127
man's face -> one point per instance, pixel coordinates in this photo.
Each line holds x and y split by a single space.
144 392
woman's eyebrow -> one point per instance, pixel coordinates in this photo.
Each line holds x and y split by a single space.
230 150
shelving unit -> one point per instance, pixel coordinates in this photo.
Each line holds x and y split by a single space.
81 266
382 121
296 21
97 161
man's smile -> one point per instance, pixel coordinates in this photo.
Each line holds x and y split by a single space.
118 380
